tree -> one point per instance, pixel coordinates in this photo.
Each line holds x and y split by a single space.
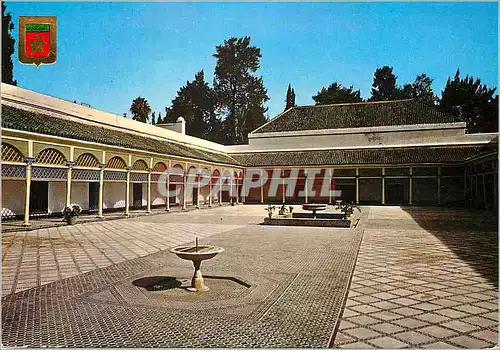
159 120
384 86
240 94
472 102
153 118
420 90
336 93
140 109
7 47
290 98
195 102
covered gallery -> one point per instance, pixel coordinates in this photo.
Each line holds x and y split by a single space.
56 152
394 152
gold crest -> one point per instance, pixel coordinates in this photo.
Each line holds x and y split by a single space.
37 40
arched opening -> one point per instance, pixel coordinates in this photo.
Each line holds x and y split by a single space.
140 165
50 156
116 163
11 154
87 160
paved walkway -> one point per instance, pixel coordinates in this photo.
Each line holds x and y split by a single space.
37 257
271 287
414 287
47 222
425 278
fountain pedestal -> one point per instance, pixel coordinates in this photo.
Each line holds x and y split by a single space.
197 254
197 282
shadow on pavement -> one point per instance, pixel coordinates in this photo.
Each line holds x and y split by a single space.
471 234
157 283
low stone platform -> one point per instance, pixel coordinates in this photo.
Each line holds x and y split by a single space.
318 222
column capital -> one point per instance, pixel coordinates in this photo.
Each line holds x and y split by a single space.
150 170
102 165
128 168
70 164
29 160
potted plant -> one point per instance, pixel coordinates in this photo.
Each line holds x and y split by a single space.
283 210
290 208
270 210
347 209
71 212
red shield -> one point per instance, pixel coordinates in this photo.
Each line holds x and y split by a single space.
37 40
37 44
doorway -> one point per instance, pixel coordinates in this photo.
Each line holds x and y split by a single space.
195 195
39 198
397 191
93 196
137 195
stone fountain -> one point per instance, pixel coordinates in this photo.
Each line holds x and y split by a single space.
314 208
197 254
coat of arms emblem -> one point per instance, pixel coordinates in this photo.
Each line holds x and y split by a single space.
37 40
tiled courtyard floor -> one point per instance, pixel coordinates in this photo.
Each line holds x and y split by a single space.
422 288
422 278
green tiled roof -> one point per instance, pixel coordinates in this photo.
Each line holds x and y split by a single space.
399 155
19 119
355 115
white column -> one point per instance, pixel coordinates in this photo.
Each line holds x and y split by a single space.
439 186
184 181
210 192
236 188
411 187
198 193
305 186
383 186
127 193
357 186
101 186
148 210
167 200
68 183
220 189
261 186
231 188
283 188
242 187
330 186
27 194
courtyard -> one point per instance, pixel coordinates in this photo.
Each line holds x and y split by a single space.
404 277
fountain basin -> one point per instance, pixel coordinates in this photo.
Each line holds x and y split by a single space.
197 254
314 207
202 252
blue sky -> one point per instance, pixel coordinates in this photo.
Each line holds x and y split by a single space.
110 53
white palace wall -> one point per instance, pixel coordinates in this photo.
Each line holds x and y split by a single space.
57 197
80 194
114 195
13 197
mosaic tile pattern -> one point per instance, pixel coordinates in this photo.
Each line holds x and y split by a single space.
422 288
308 272
38 257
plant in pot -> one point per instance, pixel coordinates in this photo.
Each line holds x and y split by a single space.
347 209
71 212
283 210
270 210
